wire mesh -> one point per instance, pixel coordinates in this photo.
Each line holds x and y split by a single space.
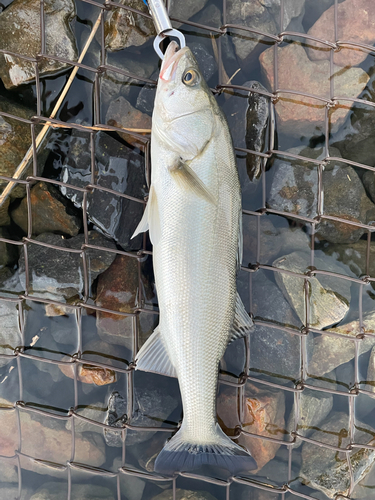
26 300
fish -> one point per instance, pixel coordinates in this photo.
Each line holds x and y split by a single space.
194 219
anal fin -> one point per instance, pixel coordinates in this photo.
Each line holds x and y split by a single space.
153 356
242 323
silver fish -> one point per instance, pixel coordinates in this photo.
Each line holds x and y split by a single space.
194 218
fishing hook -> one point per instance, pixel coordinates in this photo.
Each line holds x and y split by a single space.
163 25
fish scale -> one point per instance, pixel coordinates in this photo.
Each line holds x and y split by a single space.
194 217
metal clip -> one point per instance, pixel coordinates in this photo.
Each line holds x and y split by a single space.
163 25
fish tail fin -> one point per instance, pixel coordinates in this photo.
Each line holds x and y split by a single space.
181 455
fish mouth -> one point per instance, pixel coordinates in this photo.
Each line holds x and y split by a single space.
171 58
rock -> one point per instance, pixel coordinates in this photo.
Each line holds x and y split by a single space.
301 116
146 96
184 495
94 412
355 22
122 114
124 28
330 352
60 274
247 114
273 351
59 491
288 239
294 189
205 59
50 212
119 168
325 469
263 16
152 405
90 374
56 441
116 417
183 11
10 335
370 379
20 33
4 216
314 406
264 416
117 290
364 489
15 140
10 491
8 252
368 180
314 10
329 297
257 123
133 485
354 257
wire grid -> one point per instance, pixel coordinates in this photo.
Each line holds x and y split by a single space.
19 354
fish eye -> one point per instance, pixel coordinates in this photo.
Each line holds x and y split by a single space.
191 77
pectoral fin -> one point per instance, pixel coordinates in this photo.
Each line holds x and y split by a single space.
150 220
153 356
187 179
242 323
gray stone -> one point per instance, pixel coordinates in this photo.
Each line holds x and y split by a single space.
273 351
151 406
184 10
124 28
370 380
133 486
205 60
4 216
59 491
368 180
314 406
59 274
119 168
325 469
96 412
20 33
184 495
329 297
8 252
330 352
146 96
294 189
9 491
263 16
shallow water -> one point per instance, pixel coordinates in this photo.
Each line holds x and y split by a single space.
280 361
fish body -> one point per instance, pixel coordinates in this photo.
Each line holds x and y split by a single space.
194 216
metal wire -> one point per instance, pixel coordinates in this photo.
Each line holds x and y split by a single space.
79 358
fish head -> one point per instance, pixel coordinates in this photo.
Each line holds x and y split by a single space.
181 87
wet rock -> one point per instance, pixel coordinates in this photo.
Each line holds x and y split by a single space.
94 412
313 408
264 416
273 351
122 114
55 491
263 16
330 352
248 119
151 406
329 297
10 491
119 168
50 212
355 22
146 96
15 140
56 441
117 290
257 122
116 417
10 334
326 470
288 240
354 256
301 116
368 180
184 11
294 189
370 379
364 489
59 274
8 252
184 495
20 33
4 216
124 28
90 374
314 10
